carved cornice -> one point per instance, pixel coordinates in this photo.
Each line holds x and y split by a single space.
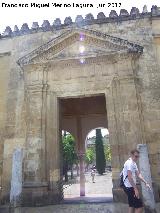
5 54
107 59
124 15
44 52
125 79
39 87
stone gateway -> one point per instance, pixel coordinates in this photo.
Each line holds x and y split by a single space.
78 76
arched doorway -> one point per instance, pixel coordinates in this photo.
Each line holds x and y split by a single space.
98 156
62 93
79 115
70 165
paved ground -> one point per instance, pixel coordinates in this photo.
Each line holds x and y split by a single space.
98 199
81 208
78 208
101 188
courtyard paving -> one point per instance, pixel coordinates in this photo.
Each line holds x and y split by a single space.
98 198
81 208
101 188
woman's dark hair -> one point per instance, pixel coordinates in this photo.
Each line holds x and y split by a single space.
134 151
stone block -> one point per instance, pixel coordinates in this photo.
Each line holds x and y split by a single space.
155 11
119 195
101 16
7 32
123 13
113 14
134 12
68 20
79 20
145 10
4 209
35 26
16 30
46 25
38 197
89 17
57 22
144 165
25 29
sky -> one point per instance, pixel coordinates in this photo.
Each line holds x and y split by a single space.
93 132
10 16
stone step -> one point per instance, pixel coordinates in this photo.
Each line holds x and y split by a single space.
84 208
74 208
4 209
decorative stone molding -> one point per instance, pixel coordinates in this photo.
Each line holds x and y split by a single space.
46 25
8 31
79 19
46 52
101 16
35 26
34 88
155 11
35 185
134 12
145 10
57 22
25 29
16 31
113 14
5 54
108 59
89 19
123 13
68 20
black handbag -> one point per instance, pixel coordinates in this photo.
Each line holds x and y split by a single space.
121 184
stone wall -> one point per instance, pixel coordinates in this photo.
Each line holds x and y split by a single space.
140 28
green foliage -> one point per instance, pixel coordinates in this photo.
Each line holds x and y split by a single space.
107 151
100 156
69 153
90 155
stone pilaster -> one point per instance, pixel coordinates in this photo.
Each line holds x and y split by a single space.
116 135
34 163
124 122
144 165
53 137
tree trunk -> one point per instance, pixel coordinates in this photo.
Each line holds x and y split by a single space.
77 167
65 169
100 156
72 172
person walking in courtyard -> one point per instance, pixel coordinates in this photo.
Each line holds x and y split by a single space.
93 172
130 171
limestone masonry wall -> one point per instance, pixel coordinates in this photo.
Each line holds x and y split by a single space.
139 28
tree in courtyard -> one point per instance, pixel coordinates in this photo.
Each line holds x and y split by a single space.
100 155
89 156
69 154
107 151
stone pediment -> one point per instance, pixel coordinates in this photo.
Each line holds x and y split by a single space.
79 43
78 49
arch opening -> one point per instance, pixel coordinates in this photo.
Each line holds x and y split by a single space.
81 116
98 160
70 165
